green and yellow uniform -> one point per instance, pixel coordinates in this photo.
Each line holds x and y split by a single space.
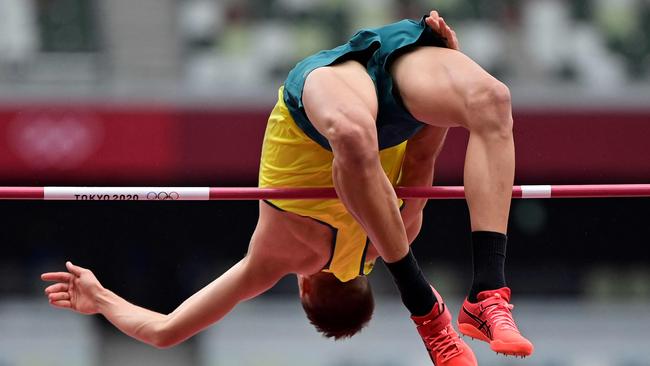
294 154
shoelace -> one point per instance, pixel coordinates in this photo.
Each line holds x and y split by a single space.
499 312
445 343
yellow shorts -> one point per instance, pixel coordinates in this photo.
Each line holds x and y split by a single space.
291 159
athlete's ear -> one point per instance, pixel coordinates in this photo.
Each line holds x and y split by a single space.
304 286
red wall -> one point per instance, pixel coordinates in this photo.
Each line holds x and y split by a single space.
163 145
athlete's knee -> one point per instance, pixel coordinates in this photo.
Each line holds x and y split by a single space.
353 137
489 106
355 148
489 92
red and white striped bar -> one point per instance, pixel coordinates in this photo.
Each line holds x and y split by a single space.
253 193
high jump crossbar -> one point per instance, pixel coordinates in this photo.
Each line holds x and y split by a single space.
254 193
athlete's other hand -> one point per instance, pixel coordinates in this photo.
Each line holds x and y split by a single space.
76 289
438 25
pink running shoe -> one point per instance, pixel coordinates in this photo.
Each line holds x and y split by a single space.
441 340
490 320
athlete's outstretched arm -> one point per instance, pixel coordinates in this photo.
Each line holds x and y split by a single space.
80 291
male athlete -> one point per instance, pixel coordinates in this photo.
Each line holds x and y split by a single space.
363 117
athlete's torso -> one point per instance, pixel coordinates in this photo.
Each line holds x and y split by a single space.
294 154
291 159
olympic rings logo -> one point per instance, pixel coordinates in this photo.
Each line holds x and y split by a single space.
163 196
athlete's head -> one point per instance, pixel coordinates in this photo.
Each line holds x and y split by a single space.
337 309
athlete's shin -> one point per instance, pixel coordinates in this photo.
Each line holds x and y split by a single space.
490 159
368 195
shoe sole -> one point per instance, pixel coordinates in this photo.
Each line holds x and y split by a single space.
518 349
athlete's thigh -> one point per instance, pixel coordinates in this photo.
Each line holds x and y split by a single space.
435 84
344 90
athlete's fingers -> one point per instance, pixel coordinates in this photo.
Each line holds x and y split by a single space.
449 34
75 270
438 25
57 287
63 304
57 276
432 22
456 45
452 41
446 29
58 296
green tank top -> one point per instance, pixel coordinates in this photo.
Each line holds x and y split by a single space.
376 48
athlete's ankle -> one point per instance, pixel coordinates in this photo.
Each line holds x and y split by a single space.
488 258
415 290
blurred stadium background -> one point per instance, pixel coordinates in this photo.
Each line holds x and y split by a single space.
176 92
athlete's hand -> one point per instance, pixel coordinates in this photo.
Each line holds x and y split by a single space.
75 290
438 25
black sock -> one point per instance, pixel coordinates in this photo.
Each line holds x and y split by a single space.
416 292
488 257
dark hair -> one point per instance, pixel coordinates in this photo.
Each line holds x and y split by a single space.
339 309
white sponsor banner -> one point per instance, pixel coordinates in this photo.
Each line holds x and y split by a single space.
539 191
128 193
